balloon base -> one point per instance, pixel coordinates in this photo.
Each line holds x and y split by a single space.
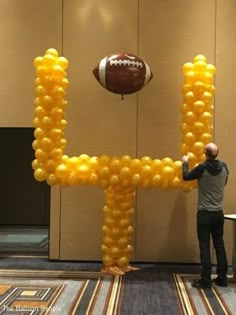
118 271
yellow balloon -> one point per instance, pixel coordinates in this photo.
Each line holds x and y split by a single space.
114 252
93 178
189 77
37 61
176 182
136 179
35 145
72 179
123 261
52 51
186 88
198 127
188 66
177 166
40 174
58 72
48 60
41 155
156 180
189 138
115 165
46 122
205 117
167 161
83 171
125 173
56 154
108 261
186 108
185 127
63 62
40 91
51 166
146 160
200 66
211 68
126 159
36 164
184 148
199 57
189 97
83 158
198 147
168 172
146 171
36 122
51 180
61 171
199 87
206 137
39 111
135 165
104 172
189 117
199 107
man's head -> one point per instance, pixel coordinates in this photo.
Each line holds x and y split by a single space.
211 151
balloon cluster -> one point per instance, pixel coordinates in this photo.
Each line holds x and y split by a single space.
117 228
197 108
117 176
49 122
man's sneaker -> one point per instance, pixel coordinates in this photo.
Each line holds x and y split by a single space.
220 282
201 284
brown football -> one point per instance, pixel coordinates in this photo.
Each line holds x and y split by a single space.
122 73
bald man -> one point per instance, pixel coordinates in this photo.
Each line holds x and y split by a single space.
212 176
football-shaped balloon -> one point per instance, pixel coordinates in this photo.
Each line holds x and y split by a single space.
122 73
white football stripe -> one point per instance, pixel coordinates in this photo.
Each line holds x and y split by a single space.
147 75
102 71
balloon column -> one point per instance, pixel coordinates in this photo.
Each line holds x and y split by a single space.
197 109
117 176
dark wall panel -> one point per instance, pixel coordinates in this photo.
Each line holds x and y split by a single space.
23 200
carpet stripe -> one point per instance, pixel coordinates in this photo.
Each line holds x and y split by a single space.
206 302
113 297
55 299
220 301
183 296
94 297
78 298
115 294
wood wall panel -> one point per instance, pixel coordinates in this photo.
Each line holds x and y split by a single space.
99 122
27 29
169 36
225 113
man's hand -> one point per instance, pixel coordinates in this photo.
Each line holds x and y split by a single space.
185 158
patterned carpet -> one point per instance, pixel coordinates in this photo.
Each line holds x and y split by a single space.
36 286
65 292
219 300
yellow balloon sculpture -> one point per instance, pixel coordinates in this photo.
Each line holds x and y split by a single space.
117 176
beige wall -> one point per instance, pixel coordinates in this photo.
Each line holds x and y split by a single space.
166 34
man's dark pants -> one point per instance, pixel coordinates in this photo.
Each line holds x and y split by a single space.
211 224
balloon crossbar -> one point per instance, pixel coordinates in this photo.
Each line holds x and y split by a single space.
117 176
